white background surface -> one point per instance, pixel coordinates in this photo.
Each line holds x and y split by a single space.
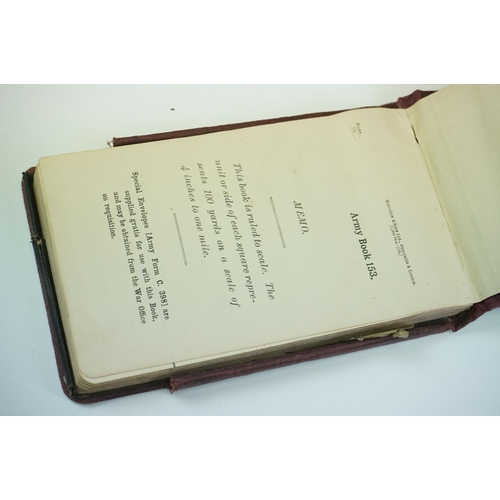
446 374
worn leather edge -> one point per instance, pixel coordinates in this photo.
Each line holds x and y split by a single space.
402 103
61 352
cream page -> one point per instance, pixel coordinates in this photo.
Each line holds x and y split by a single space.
177 252
459 130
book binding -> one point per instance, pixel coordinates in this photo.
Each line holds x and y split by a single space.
182 381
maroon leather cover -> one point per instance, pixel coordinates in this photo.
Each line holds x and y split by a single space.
402 103
182 381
